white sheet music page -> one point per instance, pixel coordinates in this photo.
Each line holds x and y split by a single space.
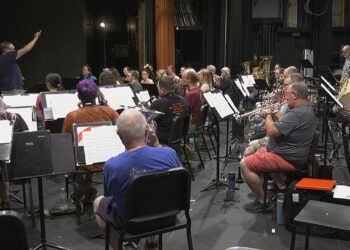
119 96
229 100
143 96
251 80
5 131
20 100
341 192
332 96
221 105
62 104
101 143
27 115
209 98
239 85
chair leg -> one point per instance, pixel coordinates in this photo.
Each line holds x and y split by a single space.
292 241
206 146
199 154
24 194
307 237
107 237
160 242
265 179
189 237
120 241
67 186
188 162
76 200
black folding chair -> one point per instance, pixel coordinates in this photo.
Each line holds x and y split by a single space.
178 137
12 233
152 203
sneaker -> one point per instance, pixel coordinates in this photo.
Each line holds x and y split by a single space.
257 207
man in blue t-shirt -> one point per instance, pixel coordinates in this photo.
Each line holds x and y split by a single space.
11 79
138 158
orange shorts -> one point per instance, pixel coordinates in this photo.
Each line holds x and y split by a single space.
263 161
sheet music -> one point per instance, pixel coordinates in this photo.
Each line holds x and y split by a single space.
247 82
143 96
101 143
332 96
27 115
5 131
341 192
329 85
239 85
217 101
20 100
233 106
119 96
61 104
209 98
251 80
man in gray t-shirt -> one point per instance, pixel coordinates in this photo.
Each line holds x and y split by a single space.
297 128
288 148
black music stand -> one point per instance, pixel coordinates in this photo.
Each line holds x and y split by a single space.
34 149
151 88
328 96
217 103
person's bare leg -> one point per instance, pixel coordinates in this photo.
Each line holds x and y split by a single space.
254 182
278 178
248 151
113 239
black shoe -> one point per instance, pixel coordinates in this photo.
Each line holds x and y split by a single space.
257 207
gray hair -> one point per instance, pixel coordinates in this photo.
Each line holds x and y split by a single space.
211 68
300 88
290 70
226 70
296 77
131 126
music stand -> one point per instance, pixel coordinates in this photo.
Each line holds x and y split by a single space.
221 110
151 88
33 148
328 96
327 74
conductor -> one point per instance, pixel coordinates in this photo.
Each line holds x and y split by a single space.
11 79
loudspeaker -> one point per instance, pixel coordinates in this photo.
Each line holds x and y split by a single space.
31 155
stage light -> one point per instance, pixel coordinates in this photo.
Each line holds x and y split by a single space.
102 25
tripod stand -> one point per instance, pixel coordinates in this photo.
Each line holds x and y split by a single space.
217 183
44 244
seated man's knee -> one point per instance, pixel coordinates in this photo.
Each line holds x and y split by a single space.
249 151
252 143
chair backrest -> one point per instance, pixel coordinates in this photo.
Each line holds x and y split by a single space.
157 195
179 129
202 117
313 151
12 233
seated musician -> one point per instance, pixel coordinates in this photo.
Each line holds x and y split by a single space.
19 125
171 105
89 112
138 158
345 51
287 148
53 84
133 79
193 96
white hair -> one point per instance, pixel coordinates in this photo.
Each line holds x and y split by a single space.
211 68
226 70
131 126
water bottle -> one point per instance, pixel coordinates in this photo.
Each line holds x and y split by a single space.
63 203
280 210
231 186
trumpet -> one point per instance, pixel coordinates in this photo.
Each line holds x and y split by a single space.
252 115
